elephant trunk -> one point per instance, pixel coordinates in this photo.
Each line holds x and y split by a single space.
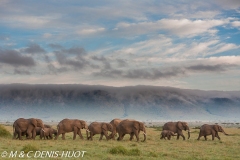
224 133
87 130
144 133
189 133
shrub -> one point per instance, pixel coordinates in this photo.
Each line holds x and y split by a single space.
28 148
119 150
124 151
4 132
134 152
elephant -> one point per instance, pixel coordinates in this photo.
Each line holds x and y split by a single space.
114 123
167 133
177 127
47 126
213 130
26 126
131 127
71 125
99 128
38 131
48 133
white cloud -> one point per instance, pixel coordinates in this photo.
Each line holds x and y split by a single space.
236 23
47 35
180 27
90 31
226 47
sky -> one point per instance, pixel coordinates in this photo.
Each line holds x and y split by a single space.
183 44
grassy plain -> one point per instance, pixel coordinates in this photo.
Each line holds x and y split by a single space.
227 148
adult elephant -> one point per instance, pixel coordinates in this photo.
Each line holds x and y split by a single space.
213 130
99 128
71 125
131 127
114 124
26 126
177 127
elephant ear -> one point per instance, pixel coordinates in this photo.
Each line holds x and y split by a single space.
33 122
104 126
180 125
110 127
136 125
216 128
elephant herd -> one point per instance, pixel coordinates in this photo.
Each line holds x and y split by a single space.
33 127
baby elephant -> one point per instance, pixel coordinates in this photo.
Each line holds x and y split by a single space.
99 128
48 132
167 133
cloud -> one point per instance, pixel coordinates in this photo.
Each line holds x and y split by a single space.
179 27
15 59
72 57
236 23
21 72
55 46
210 68
90 31
174 71
34 48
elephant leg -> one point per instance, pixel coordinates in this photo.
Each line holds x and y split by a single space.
91 136
106 135
169 137
205 137
29 133
34 134
131 136
199 137
161 137
101 137
63 136
213 135
178 136
137 135
218 136
120 136
56 137
75 130
80 134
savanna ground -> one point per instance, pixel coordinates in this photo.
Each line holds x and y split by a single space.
153 148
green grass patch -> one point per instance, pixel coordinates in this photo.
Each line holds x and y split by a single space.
123 151
29 147
4 132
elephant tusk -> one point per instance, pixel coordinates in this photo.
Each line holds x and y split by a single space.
87 130
43 130
144 133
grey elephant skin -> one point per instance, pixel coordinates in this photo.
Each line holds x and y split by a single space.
166 133
213 130
131 127
99 128
71 125
26 126
177 127
114 123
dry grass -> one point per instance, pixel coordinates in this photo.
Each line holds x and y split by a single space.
154 148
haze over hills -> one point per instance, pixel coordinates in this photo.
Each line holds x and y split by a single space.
146 103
